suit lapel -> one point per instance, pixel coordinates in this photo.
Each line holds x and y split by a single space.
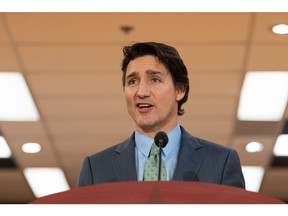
124 162
190 158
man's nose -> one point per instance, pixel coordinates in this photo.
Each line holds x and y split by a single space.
143 90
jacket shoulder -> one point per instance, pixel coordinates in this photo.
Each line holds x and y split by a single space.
198 142
115 149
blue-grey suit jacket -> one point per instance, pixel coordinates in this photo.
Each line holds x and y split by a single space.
198 160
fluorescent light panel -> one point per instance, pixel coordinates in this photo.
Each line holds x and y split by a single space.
46 181
5 151
263 96
281 145
15 99
253 177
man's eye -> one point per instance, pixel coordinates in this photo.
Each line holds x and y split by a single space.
155 80
132 82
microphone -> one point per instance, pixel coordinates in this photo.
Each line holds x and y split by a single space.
161 140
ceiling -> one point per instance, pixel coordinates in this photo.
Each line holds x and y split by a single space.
71 62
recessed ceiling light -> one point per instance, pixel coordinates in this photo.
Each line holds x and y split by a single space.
280 29
45 181
5 151
263 96
281 145
16 101
254 147
31 148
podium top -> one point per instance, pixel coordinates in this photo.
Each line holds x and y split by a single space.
171 192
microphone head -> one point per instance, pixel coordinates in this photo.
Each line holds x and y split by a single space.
161 139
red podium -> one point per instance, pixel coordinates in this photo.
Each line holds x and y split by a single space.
171 192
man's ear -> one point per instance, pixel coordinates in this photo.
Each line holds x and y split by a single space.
180 92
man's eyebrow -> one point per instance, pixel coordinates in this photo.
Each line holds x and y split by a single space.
132 74
153 72
149 72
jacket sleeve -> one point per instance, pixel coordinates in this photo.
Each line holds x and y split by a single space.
85 178
232 174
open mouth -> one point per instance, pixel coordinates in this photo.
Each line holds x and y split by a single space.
144 105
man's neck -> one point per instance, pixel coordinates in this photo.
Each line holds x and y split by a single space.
152 132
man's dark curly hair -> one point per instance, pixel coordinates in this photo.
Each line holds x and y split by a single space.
168 56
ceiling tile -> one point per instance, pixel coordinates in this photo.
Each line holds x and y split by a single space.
72 166
278 177
105 27
262 158
210 107
215 85
4 37
209 129
206 57
90 128
76 85
98 59
263 25
81 146
14 129
15 188
260 128
77 109
270 57
66 27
8 60
47 157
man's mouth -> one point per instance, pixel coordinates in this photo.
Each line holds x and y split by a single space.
144 105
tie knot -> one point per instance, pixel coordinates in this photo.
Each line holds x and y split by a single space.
154 149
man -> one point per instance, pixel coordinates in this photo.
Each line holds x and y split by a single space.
156 85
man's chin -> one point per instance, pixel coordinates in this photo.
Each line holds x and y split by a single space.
147 127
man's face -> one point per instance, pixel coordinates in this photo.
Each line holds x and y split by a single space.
151 97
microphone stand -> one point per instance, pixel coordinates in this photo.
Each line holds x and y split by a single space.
160 139
160 159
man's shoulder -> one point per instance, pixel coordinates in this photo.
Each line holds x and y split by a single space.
203 143
109 151
213 145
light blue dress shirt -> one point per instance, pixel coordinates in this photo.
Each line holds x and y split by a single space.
169 153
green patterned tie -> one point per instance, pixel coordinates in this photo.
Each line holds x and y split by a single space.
152 164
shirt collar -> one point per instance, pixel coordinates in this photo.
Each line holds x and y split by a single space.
144 143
